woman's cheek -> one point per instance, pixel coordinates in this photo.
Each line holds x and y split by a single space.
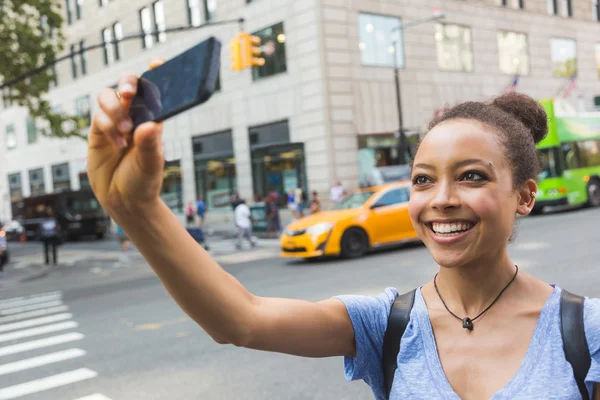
416 206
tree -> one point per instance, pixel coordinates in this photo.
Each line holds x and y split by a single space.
31 37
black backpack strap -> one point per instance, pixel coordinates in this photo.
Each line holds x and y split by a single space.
397 323
573 335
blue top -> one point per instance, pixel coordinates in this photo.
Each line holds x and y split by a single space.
420 374
200 207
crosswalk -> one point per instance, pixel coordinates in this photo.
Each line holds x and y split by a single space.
36 333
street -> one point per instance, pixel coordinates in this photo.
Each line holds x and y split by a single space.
119 336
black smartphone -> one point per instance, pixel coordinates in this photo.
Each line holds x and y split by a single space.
179 84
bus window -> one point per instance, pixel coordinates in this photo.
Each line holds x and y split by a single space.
549 162
570 156
590 153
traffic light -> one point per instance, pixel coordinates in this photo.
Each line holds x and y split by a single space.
236 52
251 51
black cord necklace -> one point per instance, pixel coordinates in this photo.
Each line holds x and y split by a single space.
467 322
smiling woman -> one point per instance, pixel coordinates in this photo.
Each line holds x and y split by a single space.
499 333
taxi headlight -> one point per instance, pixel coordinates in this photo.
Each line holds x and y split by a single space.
319 229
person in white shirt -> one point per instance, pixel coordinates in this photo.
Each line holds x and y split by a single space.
337 192
243 223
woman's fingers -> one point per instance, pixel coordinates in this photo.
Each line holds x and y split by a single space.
127 87
105 125
156 62
112 107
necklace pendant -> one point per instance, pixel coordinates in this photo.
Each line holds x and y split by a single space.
467 323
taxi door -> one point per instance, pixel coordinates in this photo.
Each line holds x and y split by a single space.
388 220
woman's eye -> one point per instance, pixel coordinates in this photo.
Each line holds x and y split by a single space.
473 177
421 180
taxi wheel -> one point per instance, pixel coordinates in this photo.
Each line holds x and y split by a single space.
355 243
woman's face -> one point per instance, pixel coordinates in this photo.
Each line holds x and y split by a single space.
463 202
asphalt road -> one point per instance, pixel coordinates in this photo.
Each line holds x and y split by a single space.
124 338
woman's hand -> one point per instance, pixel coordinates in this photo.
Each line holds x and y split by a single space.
125 170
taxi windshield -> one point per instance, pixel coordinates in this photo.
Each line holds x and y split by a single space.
355 200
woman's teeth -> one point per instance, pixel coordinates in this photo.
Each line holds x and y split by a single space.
453 228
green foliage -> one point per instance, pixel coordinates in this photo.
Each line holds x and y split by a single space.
30 37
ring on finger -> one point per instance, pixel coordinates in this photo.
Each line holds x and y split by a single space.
118 94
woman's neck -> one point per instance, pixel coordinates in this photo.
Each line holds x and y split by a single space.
469 289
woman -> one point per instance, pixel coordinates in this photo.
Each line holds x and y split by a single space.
190 213
315 203
473 173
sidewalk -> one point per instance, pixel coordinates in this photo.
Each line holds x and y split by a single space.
27 259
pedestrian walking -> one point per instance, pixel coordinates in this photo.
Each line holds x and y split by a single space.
272 213
291 204
50 237
299 199
480 328
315 203
190 213
243 222
201 210
337 192
125 247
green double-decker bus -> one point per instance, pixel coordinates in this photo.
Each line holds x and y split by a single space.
570 160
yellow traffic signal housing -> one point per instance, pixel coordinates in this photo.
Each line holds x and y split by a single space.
253 50
236 52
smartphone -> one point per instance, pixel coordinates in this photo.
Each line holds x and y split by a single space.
179 84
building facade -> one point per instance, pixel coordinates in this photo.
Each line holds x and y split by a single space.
323 107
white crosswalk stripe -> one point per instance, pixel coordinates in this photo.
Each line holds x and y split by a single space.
31 314
42 315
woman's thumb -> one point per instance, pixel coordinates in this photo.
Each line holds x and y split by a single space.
147 143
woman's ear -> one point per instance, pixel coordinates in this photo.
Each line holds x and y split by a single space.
526 197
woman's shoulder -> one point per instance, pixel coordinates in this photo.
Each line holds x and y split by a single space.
591 323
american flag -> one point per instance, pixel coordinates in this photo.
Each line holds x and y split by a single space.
513 86
569 88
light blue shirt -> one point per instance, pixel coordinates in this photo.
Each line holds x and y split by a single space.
544 373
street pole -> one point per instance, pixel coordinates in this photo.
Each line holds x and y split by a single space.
402 145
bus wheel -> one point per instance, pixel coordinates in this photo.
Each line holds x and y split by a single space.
594 193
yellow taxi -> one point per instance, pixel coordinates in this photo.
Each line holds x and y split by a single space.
365 220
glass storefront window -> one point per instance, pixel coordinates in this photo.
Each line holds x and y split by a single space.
564 57
84 181
214 165
172 188
216 181
278 169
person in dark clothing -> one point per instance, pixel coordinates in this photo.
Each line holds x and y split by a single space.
272 212
49 234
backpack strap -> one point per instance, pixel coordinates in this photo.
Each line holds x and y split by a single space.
575 344
397 323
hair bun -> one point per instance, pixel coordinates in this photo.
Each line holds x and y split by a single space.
526 110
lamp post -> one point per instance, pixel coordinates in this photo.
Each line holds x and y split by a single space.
402 144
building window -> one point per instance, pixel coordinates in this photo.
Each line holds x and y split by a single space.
172 187
108 46
11 137
277 165
54 76
596 10
73 61
82 110
454 50
36 181
61 177
215 171
193 7
69 9
516 4
117 30
15 187
567 8
210 9
598 59
146 26
79 8
552 6
102 3
159 21
84 181
273 45
380 41
6 98
32 133
82 57
564 57
513 53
